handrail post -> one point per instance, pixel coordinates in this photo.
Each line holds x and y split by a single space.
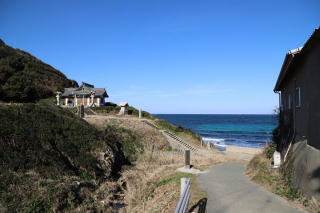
184 196
183 185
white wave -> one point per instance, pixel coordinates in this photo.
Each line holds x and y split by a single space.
212 139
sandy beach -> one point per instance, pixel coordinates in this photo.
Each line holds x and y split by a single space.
242 153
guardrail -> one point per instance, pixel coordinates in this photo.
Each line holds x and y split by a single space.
184 196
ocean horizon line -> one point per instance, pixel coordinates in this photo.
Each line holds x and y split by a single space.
210 114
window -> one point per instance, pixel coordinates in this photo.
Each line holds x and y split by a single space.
298 97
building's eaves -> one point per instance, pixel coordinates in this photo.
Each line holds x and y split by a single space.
285 66
292 56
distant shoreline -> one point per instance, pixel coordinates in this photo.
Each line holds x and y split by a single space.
155 114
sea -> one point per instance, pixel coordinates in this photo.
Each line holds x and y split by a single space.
253 131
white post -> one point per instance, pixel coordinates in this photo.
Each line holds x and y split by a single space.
88 101
140 114
66 101
276 159
99 101
183 185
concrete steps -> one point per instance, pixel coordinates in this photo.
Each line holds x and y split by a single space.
174 140
180 141
150 124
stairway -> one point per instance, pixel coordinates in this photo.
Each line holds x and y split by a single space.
150 124
174 140
181 142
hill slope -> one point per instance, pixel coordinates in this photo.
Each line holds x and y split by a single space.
24 78
52 160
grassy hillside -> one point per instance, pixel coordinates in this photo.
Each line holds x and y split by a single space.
24 78
51 160
185 133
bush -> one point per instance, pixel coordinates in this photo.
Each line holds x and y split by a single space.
270 149
106 109
276 136
24 78
45 142
110 104
37 205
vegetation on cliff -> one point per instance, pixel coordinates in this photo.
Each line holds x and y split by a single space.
112 108
24 78
52 160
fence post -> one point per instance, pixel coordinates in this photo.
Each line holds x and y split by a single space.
187 159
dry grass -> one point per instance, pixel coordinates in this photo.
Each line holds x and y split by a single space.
153 184
148 137
142 193
154 168
279 181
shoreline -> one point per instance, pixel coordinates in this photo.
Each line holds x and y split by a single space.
228 145
244 150
238 153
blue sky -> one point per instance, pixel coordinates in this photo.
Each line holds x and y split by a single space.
166 56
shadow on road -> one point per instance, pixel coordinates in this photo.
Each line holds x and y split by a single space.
202 203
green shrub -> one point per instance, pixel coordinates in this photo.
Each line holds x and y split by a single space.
24 78
106 109
270 149
276 135
38 205
43 141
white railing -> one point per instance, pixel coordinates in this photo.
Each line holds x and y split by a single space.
184 196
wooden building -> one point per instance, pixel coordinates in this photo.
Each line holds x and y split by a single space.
298 86
86 95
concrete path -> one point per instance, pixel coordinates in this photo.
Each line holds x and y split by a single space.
230 190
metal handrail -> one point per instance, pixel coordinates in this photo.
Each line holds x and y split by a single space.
184 198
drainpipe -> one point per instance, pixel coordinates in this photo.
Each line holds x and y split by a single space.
294 128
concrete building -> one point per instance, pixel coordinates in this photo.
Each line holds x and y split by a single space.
85 95
298 86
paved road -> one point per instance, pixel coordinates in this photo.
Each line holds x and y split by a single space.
230 190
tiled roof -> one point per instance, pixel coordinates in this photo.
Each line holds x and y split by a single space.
84 90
